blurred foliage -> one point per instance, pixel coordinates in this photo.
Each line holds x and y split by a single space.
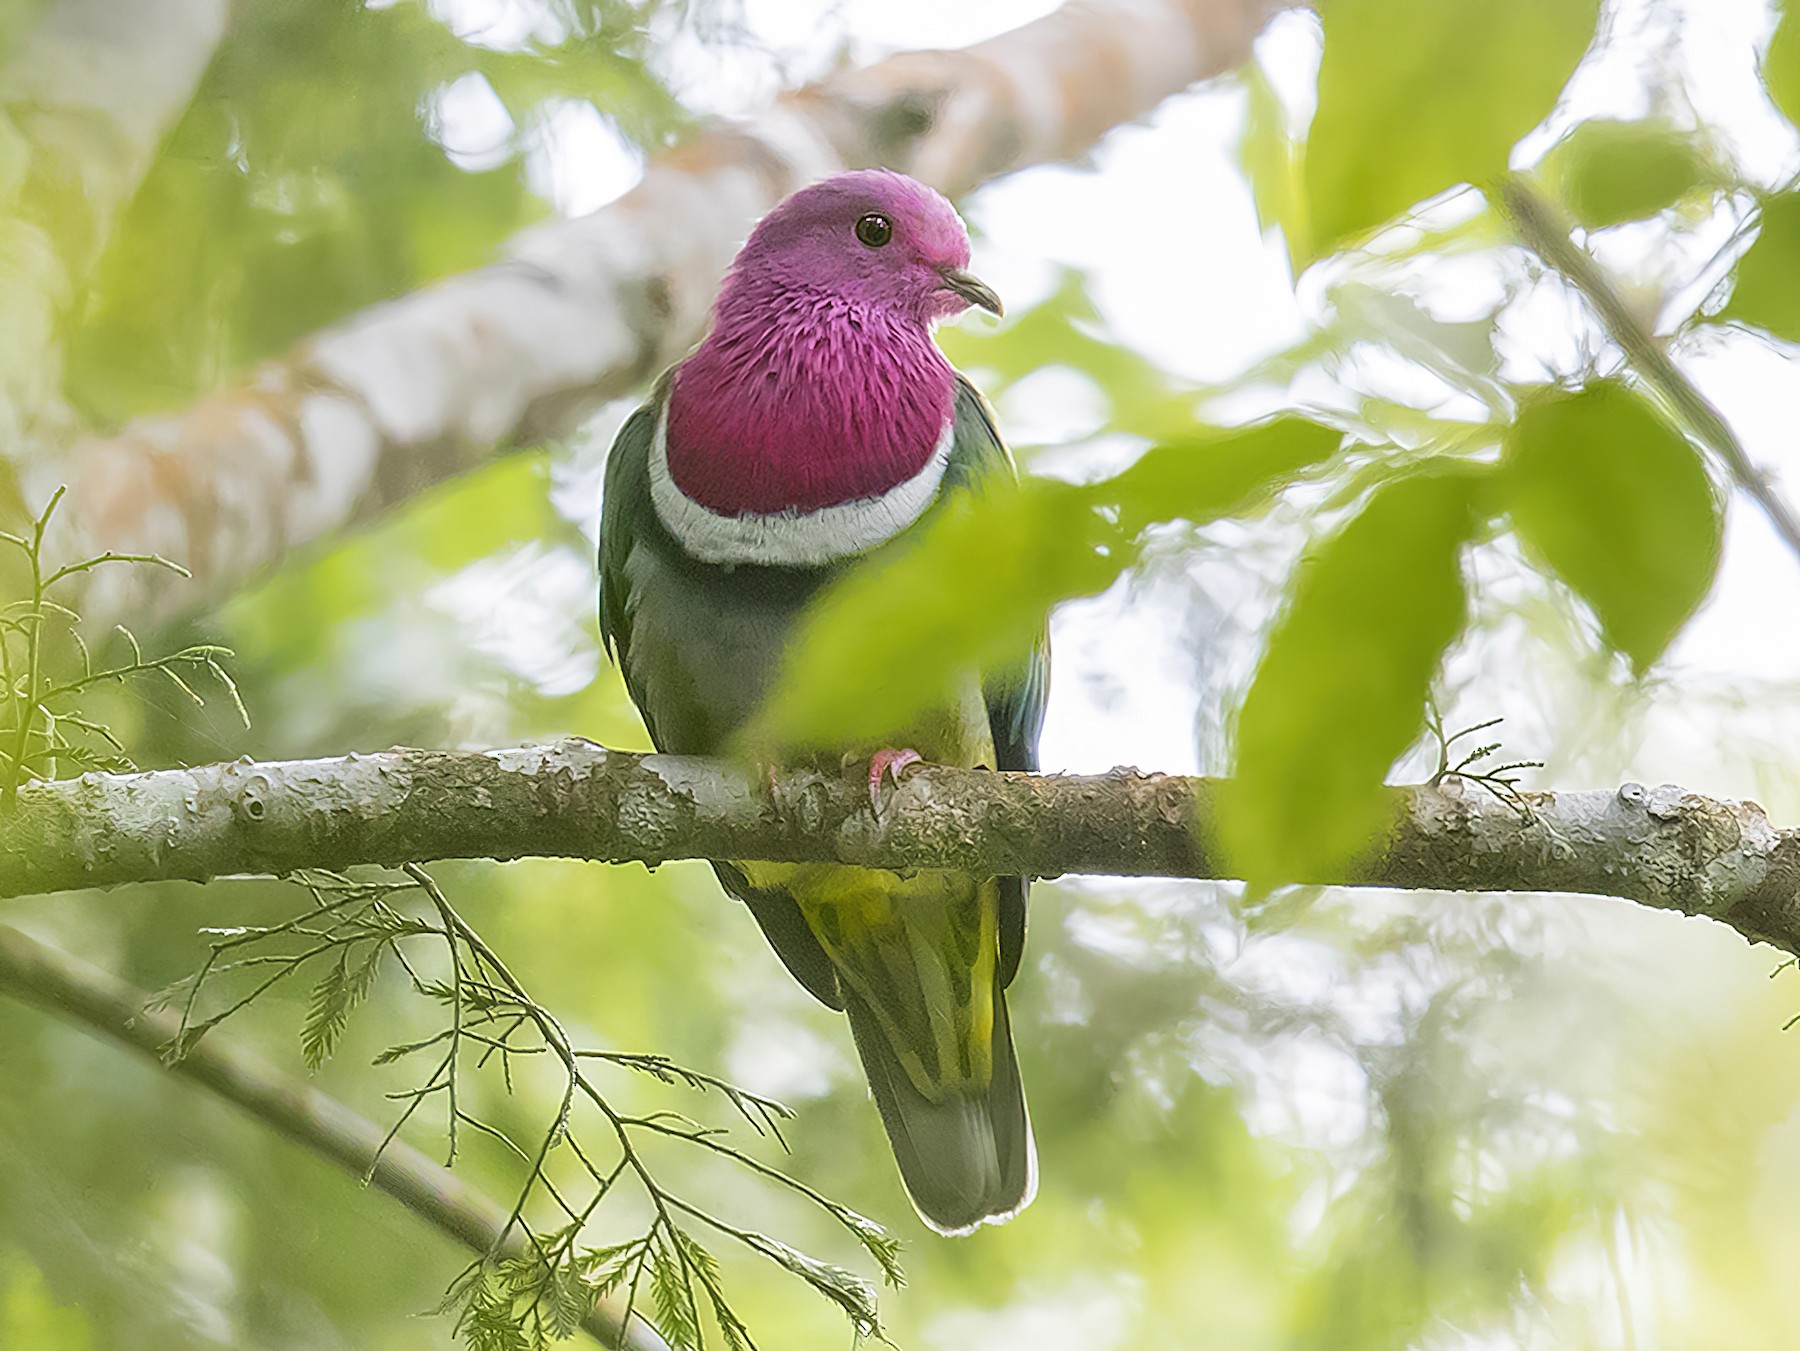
1275 164
1417 96
304 183
1295 1120
1767 293
1612 172
1065 330
1781 62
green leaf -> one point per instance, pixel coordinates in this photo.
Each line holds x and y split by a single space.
1612 172
677 1316
1340 692
605 1269
334 998
1618 504
1417 96
1222 474
876 1241
1781 64
327 1014
965 592
1460 351
850 1292
567 1300
898 635
705 1269
31 1315
1767 292
1273 163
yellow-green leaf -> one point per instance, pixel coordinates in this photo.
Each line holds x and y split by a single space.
1417 96
1340 692
966 592
1222 474
1766 294
1611 172
970 590
1272 162
1781 64
1617 503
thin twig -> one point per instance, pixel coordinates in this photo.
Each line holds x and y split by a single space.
31 699
500 1293
78 993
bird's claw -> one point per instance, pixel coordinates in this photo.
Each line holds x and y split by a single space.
889 764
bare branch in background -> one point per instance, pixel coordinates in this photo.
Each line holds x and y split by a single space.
1662 847
413 392
84 995
1546 231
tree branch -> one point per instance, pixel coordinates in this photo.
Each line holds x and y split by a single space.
1661 847
1546 231
413 392
82 994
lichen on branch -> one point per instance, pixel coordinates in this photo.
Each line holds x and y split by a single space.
1661 847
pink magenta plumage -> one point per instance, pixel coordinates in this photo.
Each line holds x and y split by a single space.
819 382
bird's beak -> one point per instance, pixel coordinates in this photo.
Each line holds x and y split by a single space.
972 289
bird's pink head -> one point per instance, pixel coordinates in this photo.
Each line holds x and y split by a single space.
874 237
819 382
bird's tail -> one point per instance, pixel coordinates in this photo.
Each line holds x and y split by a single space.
965 1152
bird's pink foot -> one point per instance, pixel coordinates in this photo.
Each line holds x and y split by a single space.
889 764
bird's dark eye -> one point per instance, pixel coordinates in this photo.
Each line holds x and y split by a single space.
874 229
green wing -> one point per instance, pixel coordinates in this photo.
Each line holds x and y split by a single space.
626 498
